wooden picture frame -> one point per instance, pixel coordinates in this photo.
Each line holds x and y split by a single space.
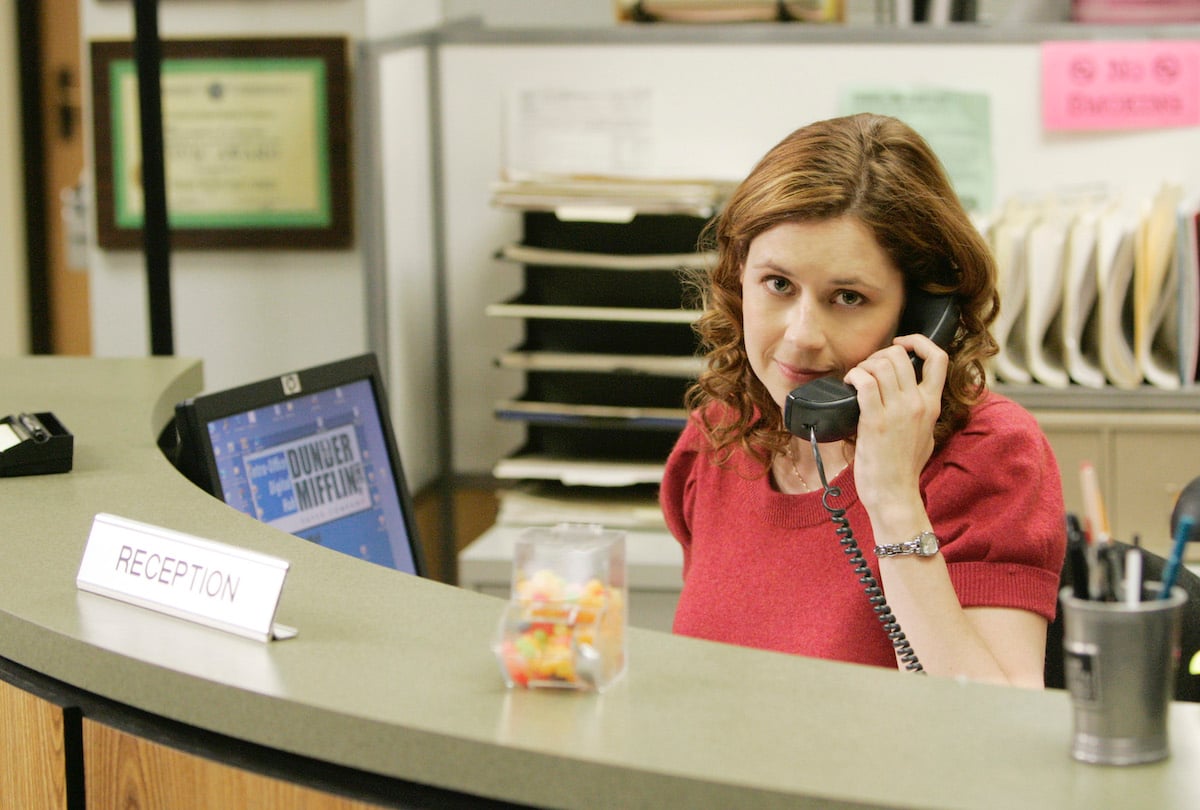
256 142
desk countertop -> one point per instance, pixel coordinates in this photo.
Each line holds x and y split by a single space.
393 675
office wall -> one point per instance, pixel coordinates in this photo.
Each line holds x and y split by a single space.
248 314
14 324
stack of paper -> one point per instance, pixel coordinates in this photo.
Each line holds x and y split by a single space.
549 502
1114 280
1008 235
1098 291
1046 253
1080 340
608 199
1187 270
1156 330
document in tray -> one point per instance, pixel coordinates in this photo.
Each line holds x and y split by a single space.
580 472
608 199
1079 323
550 502
1114 280
1155 290
1045 254
1008 235
1187 264
1155 293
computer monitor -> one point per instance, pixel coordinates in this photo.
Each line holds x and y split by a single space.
310 452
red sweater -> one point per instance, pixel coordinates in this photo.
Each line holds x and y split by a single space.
765 569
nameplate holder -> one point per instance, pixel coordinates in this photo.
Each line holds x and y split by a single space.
214 584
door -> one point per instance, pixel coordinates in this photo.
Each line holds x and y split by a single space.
57 232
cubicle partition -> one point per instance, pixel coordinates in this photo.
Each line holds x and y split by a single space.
706 102
711 100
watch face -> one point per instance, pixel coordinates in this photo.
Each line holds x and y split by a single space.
928 544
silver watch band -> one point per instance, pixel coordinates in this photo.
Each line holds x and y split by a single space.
924 544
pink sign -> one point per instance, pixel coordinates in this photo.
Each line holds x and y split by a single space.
1120 85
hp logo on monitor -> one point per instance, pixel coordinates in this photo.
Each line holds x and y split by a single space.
291 384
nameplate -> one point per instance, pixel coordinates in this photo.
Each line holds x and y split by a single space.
214 584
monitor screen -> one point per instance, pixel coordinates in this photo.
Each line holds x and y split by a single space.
310 452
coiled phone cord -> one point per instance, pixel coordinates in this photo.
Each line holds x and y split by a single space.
883 611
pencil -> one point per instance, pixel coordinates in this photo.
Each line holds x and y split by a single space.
1093 504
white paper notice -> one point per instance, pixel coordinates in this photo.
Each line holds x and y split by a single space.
569 131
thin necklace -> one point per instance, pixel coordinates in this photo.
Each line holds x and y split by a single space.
796 470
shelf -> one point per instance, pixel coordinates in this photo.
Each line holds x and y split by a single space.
663 365
517 308
536 256
615 416
1079 398
580 472
473 32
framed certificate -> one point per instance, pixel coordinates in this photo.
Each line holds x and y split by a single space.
256 143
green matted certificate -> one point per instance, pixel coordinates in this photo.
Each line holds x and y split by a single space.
255 143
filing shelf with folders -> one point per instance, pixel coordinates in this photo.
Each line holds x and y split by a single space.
607 350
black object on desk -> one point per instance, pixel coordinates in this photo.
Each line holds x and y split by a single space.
34 444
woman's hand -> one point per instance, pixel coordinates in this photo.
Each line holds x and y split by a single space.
895 428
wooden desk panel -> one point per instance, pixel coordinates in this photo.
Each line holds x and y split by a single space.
33 760
122 770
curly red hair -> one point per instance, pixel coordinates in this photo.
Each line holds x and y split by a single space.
879 170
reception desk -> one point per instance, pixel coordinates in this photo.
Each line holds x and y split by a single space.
389 696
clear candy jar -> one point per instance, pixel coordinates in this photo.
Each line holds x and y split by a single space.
564 626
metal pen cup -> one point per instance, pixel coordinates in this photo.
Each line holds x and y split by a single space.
1120 662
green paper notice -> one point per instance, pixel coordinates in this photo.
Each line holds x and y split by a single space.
957 125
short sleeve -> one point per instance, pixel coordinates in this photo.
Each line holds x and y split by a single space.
677 493
994 495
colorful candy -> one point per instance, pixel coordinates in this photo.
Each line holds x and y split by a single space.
560 633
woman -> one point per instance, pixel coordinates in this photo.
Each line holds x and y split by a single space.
818 251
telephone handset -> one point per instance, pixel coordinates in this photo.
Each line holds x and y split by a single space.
826 410
830 407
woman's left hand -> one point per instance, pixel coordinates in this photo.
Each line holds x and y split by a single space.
895 427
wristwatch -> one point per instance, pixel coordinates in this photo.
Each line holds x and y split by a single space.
924 544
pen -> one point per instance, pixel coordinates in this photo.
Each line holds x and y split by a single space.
1077 556
1133 576
1114 565
1183 532
34 427
1093 504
